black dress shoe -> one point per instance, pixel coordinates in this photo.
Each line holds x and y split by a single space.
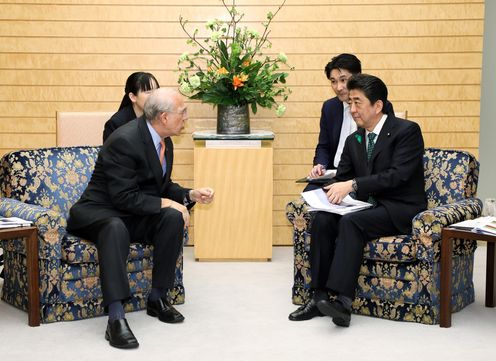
340 315
119 334
306 312
165 312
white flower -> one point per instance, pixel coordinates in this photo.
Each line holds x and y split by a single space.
184 88
283 57
281 109
195 81
253 33
215 35
184 56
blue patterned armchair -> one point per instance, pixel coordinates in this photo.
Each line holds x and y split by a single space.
399 277
40 186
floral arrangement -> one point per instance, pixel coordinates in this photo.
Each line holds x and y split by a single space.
229 67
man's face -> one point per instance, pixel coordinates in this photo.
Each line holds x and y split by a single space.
176 119
365 114
339 79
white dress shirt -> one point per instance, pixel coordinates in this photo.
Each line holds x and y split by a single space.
348 127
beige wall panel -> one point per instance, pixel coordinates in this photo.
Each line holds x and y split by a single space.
299 94
451 124
299 46
303 125
27 125
117 78
294 156
158 61
282 235
283 187
92 29
240 2
252 13
25 141
295 110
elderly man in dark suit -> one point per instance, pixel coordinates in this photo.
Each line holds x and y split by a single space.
382 163
131 198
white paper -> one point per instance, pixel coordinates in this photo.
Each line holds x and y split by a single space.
317 199
10 222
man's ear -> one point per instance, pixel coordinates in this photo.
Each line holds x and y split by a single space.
379 106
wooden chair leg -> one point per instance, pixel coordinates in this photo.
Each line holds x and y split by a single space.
445 289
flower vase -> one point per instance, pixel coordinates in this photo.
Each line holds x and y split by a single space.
233 119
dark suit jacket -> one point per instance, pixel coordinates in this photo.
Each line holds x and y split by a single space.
127 179
331 121
120 118
394 176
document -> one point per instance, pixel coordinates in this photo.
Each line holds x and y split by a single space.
12 222
481 224
328 175
317 199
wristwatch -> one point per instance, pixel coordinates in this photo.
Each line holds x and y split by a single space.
354 185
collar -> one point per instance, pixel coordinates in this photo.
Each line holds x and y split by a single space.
378 126
155 136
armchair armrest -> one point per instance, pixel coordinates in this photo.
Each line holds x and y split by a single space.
297 214
428 225
51 225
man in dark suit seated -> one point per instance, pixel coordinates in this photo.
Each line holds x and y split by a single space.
131 198
382 163
336 122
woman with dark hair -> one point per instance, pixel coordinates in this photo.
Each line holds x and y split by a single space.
138 88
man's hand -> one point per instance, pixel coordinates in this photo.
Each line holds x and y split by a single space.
169 203
317 171
337 191
202 195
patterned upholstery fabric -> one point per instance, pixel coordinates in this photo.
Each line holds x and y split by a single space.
399 277
41 185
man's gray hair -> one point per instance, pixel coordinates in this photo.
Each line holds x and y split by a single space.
160 100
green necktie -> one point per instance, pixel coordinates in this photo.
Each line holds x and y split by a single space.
370 149
370 144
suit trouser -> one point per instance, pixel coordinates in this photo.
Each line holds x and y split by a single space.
337 244
113 237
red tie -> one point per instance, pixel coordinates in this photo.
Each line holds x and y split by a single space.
162 152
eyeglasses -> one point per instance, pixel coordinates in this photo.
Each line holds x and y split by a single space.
183 112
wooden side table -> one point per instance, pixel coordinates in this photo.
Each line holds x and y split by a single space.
31 236
447 236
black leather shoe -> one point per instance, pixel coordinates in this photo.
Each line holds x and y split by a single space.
119 334
305 312
340 315
165 312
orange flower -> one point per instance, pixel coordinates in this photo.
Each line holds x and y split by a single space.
246 63
222 71
238 81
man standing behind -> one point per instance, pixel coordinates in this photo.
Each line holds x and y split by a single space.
336 122
383 164
131 198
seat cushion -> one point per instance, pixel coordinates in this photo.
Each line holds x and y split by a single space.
78 250
394 248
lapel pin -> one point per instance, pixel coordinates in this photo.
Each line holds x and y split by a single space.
388 134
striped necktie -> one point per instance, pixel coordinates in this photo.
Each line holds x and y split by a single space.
161 156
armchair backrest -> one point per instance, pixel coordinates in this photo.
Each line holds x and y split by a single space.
450 176
53 178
